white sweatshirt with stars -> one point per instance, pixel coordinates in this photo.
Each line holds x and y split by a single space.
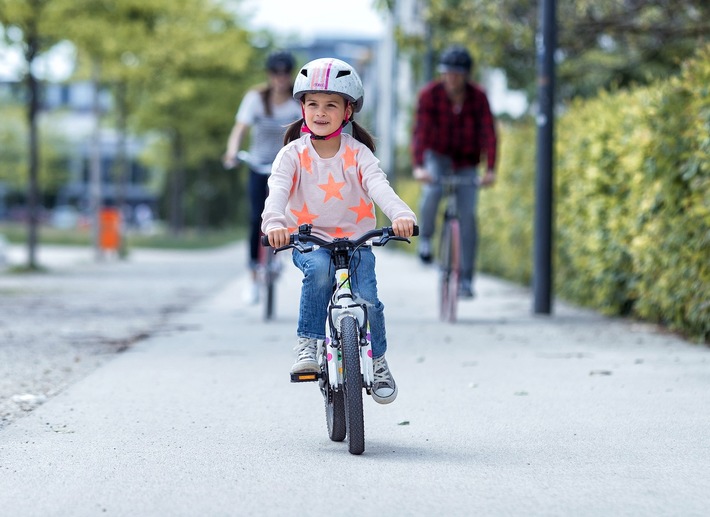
335 194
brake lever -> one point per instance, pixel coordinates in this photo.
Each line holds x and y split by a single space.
282 248
386 238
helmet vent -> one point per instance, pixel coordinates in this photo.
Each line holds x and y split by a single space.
341 73
304 72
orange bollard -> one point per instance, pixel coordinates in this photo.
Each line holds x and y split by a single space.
110 229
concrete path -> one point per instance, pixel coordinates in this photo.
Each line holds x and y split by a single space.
503 413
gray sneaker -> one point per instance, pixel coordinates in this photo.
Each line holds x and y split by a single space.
306 361
384 389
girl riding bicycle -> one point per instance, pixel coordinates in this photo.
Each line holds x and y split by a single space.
330 180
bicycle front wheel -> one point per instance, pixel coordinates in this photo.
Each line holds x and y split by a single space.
269 301
352 385
269 279
449 260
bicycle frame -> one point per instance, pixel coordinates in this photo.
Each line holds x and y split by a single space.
450 247
342 305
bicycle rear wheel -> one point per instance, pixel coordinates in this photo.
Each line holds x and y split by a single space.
449 260
352 385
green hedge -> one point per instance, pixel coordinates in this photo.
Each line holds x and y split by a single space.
632 203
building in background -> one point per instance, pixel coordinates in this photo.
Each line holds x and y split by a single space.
66 109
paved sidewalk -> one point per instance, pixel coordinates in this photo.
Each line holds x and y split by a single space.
503 413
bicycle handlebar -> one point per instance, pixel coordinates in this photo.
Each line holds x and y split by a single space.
296 240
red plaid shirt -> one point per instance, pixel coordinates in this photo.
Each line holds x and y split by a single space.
461 136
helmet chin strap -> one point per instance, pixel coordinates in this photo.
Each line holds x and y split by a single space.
306 129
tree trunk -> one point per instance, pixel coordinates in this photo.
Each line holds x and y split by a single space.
95 201
122 172
33 172
177 186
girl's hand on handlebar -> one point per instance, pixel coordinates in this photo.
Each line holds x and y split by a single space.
403 227
278 237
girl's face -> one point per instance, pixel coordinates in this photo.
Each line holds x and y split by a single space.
325 112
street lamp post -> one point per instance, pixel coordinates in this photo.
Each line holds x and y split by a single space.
542 268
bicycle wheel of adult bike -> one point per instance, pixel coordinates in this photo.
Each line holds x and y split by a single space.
352 380
269 287
449 258
269 281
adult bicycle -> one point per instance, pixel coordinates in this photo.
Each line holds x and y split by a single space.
345 357
268 265
449 251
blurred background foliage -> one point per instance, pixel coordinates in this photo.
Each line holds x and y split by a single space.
602 44
632 202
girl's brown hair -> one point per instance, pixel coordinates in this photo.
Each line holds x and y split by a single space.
265 94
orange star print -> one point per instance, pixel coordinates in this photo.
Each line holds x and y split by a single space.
339 233
332 188
349 158
303 216
306 161
363 211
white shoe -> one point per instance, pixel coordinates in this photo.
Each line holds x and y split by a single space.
306 361
384 389
251 294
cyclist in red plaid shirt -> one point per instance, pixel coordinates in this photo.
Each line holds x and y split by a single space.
453 127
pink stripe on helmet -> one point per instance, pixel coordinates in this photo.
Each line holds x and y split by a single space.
321 77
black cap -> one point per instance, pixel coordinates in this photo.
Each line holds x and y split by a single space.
280 61
455 59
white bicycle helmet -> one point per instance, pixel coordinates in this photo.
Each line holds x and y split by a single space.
329 75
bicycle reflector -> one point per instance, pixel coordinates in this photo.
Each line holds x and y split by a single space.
305 377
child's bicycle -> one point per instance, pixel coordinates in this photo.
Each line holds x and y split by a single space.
449 255
346 356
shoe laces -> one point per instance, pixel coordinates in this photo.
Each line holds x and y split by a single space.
306 348
382 373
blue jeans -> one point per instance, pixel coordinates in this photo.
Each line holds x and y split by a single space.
318 279
466 200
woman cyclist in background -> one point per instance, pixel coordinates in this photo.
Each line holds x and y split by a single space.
266 110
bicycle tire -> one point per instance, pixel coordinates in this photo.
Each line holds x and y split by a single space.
352 385
450 258
334 413
269 302
269 280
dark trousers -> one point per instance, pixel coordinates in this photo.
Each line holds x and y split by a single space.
258 191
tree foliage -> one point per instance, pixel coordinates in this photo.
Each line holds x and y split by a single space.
602 43
178 68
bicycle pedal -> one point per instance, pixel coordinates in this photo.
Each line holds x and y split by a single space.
305 377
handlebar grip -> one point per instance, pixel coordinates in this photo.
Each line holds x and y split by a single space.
416 230
264 241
